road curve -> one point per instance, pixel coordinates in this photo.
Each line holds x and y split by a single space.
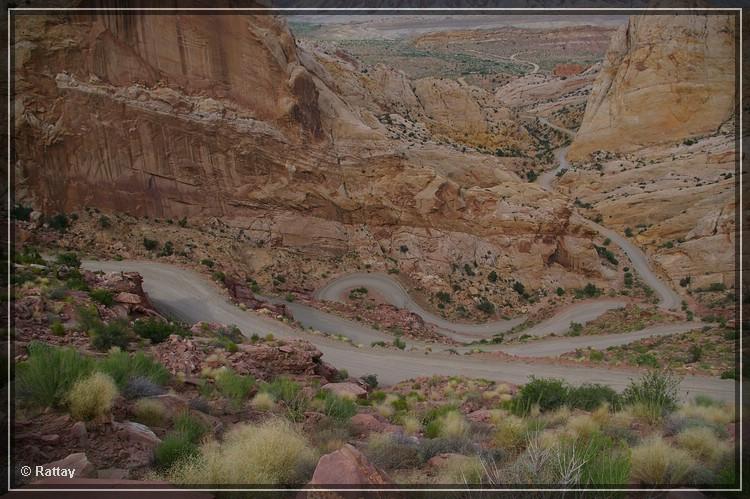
668 298
392 291
188 296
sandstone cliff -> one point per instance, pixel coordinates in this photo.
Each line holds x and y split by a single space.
225 116
664 78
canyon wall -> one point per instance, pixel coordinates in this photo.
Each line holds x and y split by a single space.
225 116
665 78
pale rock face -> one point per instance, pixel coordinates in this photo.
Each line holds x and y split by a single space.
664 78
450 106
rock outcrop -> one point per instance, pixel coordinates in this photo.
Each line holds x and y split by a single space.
347 466
665 78
226 117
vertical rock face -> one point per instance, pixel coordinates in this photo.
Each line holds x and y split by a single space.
665 78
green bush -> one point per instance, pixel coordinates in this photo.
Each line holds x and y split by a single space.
175 447
208 263
547 393
185 424
20 212
234 386
492 276
123 367
59 222
371 380
591 396
519 288
103 296
486 306
282 388
105 336
647 359
399 343
167 249
104 222
49 373
29 255
656 391
156 330
69 259
339 409
150 244
443 296
57 328
560 291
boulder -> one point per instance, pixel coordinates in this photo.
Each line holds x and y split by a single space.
346 390
136 432
129 298
347 466
364 424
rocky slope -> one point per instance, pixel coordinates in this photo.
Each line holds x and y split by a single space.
664 78
655 154
227 117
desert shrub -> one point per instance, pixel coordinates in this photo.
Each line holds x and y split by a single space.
263 401
104 222
150 244
654 462
511 433
519 288
703 444
92 397
273 452
282 388
57 328
582 425
647 359
103 296
235 387
547 393
59 222
371 380
492 276
337 408
589 396
207 262
431 447
174 448
191 427
399 343
462 470
717 414
655 392
150 412
124 369
392 451
560 291
69 259
114 334
167 249
48 375
443 296
29 255
139 386
21 212
156 330
486 306
411 425
452 425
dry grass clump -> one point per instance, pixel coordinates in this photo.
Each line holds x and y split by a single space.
273 452
717 414
703 444
557 417
501 391
655 462
511 433
412 425
582 425
92 397
150 412
461 470
453 425
392 451
263 401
